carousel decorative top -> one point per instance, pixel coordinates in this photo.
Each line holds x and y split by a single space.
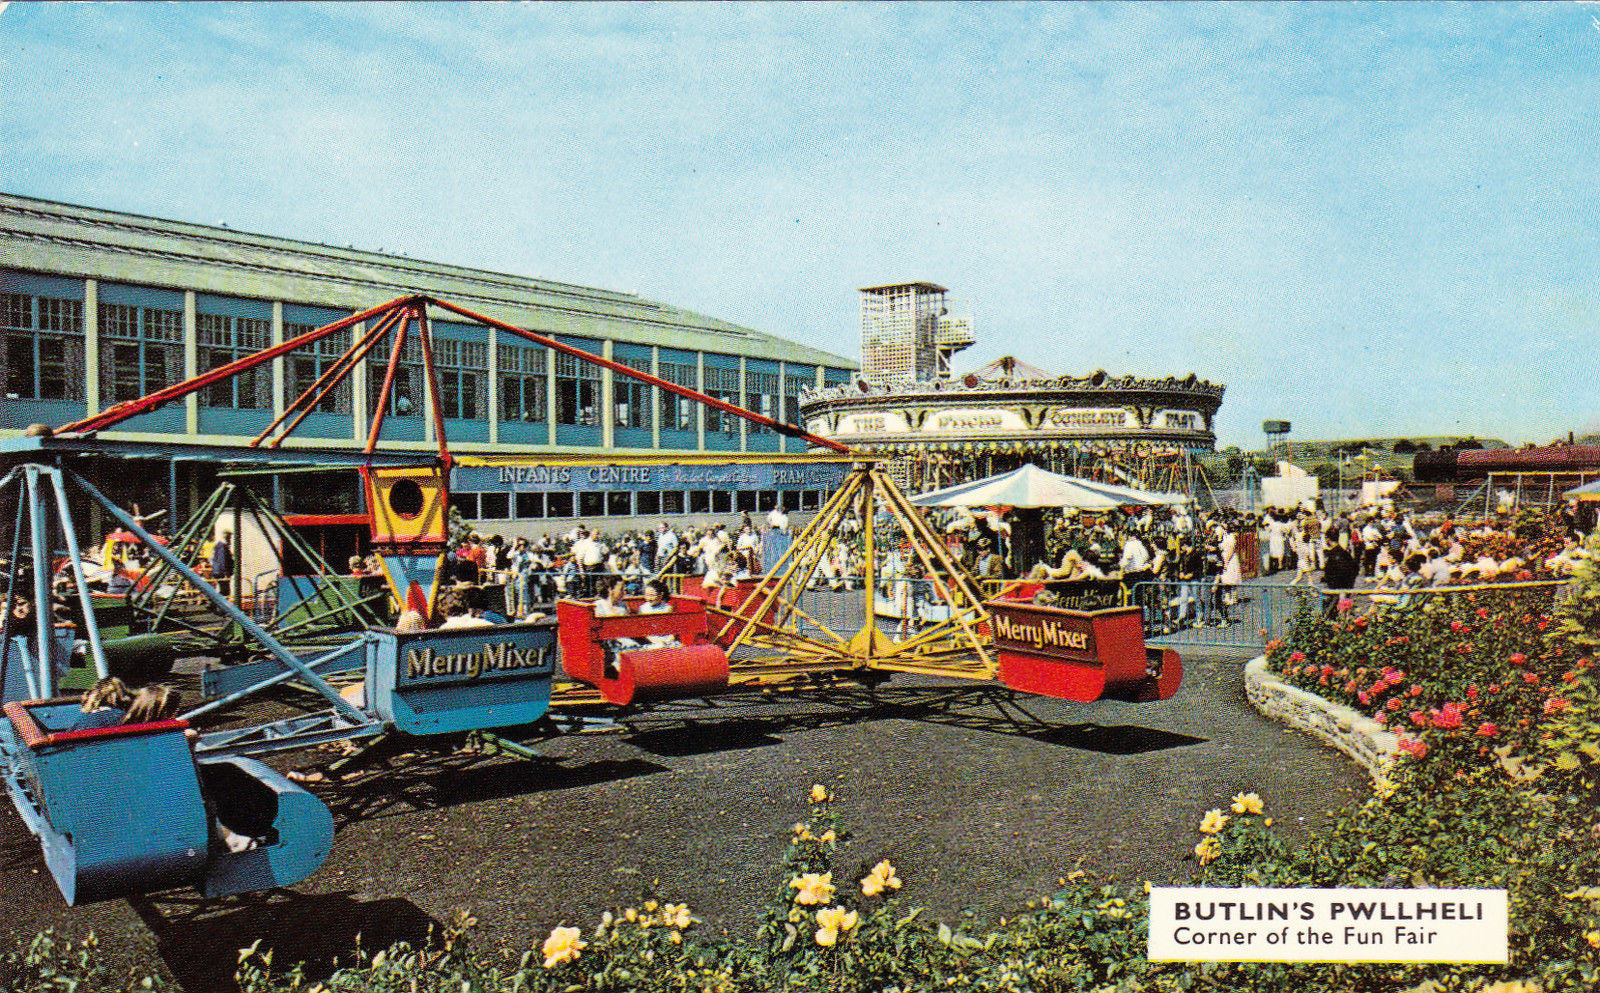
1096 382
1009 403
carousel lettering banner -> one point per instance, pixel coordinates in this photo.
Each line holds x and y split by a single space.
589 478
965 421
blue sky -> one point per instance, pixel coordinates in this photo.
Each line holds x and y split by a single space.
1365 219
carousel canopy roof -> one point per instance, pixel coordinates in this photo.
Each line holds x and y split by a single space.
1008 367
1031 486
1588 491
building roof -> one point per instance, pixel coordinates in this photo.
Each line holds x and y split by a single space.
924 287
90 243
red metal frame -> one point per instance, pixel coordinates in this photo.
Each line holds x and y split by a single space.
120 412
388 383
330 378
402 311
791 430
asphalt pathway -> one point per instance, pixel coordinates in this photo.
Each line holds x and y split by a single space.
977 811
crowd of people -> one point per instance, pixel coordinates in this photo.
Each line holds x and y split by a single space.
1197 561
517 580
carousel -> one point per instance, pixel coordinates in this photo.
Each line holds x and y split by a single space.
1144 433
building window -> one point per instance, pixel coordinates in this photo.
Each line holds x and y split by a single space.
792 387
577 391
465 504
522 384
405 399
837 377
227 339
530 505
494 506
462 366
677 413
672 501
142 351
631 396
647 503
306 365
761 396
723 384
591 504
558 504
43 347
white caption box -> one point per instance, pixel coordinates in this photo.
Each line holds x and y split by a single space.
1256 924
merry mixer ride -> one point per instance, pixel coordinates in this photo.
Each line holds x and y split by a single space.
136 808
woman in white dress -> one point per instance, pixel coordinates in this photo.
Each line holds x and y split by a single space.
1277 548
1232 574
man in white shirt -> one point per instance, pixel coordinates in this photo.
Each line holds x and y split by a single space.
1372 539
1135 555
712 545
777 520
587 553
666 543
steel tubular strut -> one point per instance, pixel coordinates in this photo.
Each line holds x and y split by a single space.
330 378
228 609
91 626
144 405
11 584
43 619
273 680
687 392
435 402
388 383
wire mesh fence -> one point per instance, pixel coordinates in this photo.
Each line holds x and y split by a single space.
1205 612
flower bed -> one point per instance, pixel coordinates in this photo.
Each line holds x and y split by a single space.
1368 743
1498 715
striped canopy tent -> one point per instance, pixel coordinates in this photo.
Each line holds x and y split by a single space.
1588 491
1031 486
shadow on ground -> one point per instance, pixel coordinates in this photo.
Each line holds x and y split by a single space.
197 939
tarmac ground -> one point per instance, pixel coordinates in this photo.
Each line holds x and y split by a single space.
981 798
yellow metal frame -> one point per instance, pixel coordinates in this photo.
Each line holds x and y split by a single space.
955 647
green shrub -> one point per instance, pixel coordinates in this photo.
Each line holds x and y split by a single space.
1497 700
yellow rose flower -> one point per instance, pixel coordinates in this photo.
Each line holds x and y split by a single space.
831 921
813 888
819 794
675 915
1215 821
1593 938
1207 850
881 878
1246 803
563 945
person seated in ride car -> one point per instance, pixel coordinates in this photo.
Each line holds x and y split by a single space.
103 705
657 599
478 601
612 603
156 702
457 614
161 702
719 572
